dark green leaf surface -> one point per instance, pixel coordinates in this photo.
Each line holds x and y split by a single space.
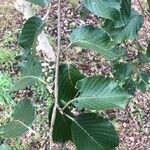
62 127
31 68
30 31
40 2
130 86
91 132
129 31
108 9
23 83
30 71
148 50
125 14
68 76
122 71
143 81
23 116
84 13
94 39
98 93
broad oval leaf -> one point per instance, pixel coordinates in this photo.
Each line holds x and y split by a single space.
68 76
91 132
62 126
98 93
109 9
30 32
129 31
94 39
23 116
143 82
40 2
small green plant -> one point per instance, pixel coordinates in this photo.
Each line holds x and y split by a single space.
6 56
78 98
8 39
41 93
5 84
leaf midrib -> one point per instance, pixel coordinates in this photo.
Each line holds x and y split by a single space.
88 134
101 49
125 29
101 97
69 74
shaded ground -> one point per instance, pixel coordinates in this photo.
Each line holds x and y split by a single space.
133 123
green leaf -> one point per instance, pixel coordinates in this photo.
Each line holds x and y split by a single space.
23 83
31 68
143 58
148 50
130 86
23 116
94 39
68 76
31 72
143 81
98 93
122 71
91 132
84 12
30 32
129 31
4 147
124 15
62 126
40 2
109 9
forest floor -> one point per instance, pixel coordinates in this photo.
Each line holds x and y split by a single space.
133 123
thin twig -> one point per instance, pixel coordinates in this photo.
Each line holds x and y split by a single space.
56 75
65 50
143 11
47 12
71 101
68 46
63 113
